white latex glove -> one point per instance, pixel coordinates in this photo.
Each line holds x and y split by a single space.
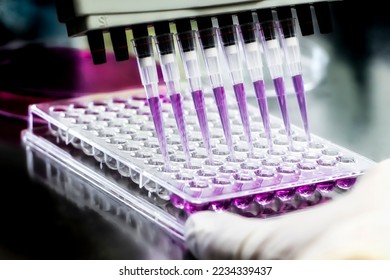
355 225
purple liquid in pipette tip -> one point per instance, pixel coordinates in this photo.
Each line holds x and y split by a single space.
240 93
177 107
261 96
156 111
300 91
281 94
220 99
200 107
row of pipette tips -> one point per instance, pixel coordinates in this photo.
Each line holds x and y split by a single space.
250 40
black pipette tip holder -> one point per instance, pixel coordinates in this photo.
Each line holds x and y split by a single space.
141 40
245 20
268 29
206 32
183 29
227 30
163 37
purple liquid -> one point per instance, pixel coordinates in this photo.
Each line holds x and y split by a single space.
345 183
265 198
177 201
263 105
220 99
325 186
243 202
285 195
240 93
155 109
191 208
221 206
200 107
300 91
281 94
306 190
177 106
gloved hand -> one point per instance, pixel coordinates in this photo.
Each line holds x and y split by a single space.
355 225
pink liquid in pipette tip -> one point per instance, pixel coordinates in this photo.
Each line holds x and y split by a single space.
177 106
220 99
281 94
261 96
240 93
200 107
156 111
300 91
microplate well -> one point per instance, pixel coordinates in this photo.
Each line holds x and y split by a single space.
116 131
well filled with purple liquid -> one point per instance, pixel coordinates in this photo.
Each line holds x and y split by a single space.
281 94
300 92
155 109
220 99
200 107
346 183
177 107
240 93
259 87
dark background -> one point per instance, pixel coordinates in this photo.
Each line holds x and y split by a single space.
349 107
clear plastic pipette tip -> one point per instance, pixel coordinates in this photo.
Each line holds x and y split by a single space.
273 56
290 45
143 48
231 51
253 58
211 57
171 75
187 43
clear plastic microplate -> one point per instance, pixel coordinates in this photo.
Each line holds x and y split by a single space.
116 131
